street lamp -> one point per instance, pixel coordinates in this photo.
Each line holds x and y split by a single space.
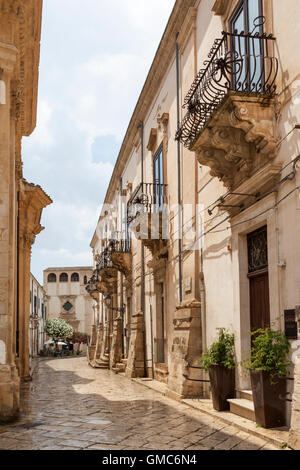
108 302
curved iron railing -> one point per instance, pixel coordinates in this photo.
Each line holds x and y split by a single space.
237 62
91 287
148 198
104 260
119 245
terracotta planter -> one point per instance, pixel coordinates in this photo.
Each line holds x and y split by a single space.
269 399
222 381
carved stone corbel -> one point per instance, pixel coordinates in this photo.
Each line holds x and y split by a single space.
239 139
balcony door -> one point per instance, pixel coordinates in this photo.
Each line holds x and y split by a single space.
158 178
247 52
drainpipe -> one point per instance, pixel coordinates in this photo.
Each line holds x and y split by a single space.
122 280
280 264
141 127
179 172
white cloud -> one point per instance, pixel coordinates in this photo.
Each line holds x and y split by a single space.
107 88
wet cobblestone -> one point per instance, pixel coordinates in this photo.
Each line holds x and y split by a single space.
69 405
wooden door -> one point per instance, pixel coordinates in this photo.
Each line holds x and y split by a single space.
259 301
259 279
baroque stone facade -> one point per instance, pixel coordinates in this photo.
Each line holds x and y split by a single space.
66 297
219 141
21 203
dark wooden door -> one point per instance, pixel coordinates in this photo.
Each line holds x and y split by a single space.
259 301
258 274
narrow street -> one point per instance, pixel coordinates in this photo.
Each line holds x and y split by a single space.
69 405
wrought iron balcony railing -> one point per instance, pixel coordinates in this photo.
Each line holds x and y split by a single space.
119 244
104 260
237 62
148 198
91 287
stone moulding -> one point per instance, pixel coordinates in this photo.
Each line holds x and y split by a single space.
265 179
152 139
220 7
25 16
239 138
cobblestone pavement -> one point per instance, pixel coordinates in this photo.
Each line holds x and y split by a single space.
69 405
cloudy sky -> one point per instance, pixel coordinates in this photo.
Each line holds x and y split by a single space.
95 56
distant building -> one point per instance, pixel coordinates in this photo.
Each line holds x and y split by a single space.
67 298
38 315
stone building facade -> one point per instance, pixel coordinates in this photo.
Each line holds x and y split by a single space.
67 298
38 316
200 222
21 203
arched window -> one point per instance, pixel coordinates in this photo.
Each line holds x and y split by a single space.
85 279
51 277
75 277
63 277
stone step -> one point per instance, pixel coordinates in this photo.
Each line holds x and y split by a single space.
101 364
120 367
124 361
242 407
94 365
246 394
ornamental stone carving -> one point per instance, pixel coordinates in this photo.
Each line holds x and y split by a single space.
17 99
239 139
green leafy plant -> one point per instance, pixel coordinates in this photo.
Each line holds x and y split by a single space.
269 352
221 352
58 329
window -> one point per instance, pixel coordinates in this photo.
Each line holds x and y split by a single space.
75 277
67 306
247 19
85 280
52 277
158 177
63 277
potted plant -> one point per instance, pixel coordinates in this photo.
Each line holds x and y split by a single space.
268 369
219 361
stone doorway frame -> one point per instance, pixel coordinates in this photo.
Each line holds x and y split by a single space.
243 224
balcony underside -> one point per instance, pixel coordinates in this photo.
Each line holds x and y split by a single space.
122 262
153 231
239 139
102 287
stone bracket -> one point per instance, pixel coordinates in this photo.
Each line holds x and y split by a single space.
239 139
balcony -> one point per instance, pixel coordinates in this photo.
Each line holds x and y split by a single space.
106 272
147 214
121 254
91 288
230 109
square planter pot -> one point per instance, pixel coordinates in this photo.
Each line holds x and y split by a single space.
269 399
222 381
